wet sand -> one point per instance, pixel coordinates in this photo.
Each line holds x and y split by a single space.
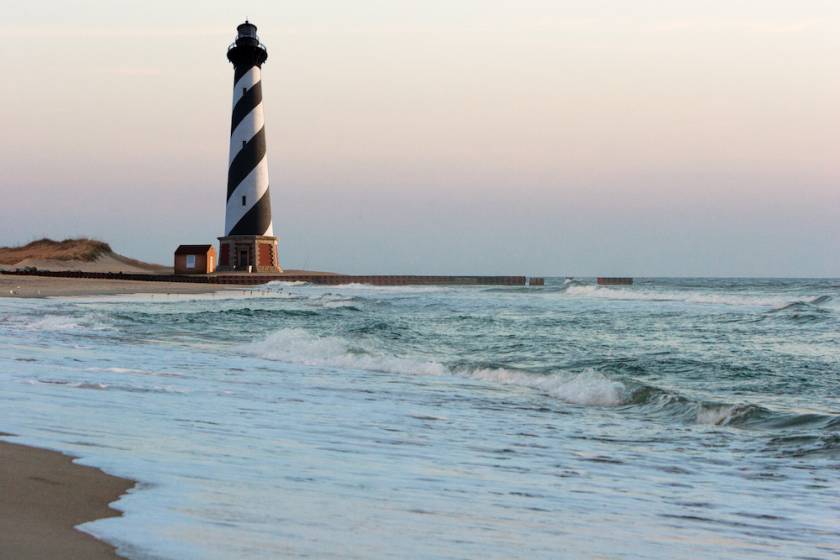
44 496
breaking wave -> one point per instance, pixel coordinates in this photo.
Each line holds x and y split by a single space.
740 415
58 323
355 287
804 310
301 347
588 387
298 346
777 303
55 323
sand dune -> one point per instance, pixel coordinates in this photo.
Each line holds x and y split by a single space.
86 255
104 263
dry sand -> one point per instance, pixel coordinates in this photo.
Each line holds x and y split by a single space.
47 286
43 286
44 496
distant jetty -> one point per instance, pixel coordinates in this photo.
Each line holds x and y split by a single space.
614 281
245 279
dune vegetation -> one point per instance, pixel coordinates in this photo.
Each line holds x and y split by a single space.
81 249
80 253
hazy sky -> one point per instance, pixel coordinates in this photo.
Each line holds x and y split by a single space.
464 136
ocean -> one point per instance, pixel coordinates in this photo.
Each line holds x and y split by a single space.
675 418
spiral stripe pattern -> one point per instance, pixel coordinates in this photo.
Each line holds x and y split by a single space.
248 201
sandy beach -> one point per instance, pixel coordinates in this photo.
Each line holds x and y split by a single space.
37 286
45 286
45 495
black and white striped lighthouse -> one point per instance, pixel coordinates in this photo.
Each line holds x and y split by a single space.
249 242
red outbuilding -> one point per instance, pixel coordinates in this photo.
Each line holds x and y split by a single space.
195 259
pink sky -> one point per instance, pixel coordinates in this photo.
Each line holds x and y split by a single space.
536 137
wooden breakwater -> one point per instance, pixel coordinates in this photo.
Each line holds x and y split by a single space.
257 279
614 281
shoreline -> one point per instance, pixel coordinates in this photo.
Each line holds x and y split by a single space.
45 496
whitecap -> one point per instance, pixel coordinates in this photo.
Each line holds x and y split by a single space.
301 347
54 323
57 323
586 388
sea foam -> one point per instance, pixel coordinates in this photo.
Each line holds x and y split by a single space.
299 346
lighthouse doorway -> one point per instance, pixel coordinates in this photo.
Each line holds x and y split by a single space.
243 261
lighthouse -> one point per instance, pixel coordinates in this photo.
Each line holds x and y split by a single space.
248 243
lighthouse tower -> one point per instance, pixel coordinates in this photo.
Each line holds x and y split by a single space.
249 237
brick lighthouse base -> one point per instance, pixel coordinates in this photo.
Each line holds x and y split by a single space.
238 252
